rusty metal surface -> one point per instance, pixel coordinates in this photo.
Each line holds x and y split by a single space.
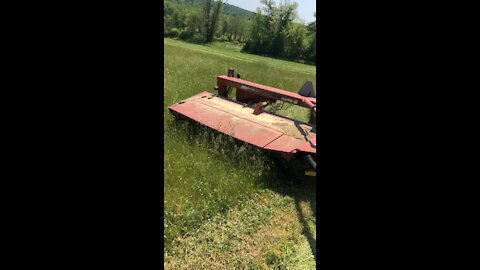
264 130
264 90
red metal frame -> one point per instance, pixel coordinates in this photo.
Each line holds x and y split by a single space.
281 135
258 92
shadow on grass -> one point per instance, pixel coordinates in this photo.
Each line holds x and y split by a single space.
304 191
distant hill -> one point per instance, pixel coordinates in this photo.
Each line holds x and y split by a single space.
227 8
237 12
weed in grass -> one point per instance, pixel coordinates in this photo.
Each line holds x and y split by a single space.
273 260
253 265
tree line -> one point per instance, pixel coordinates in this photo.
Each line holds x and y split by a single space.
272 31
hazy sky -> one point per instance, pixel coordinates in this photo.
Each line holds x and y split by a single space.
305 9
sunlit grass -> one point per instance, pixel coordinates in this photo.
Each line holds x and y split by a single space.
207 173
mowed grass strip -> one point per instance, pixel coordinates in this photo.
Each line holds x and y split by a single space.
207 173
233 52
264 232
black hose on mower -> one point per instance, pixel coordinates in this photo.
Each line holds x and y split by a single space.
311 161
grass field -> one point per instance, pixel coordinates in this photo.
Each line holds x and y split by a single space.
226 206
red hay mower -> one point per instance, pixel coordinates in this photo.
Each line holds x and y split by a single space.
292 142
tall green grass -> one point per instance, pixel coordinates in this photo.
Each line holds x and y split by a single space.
205 172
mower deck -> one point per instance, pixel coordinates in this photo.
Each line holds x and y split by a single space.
265 130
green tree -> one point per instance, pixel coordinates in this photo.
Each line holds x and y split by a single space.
296 41
254 43
269 28
312 49
174 20
211 12
283 17
193 30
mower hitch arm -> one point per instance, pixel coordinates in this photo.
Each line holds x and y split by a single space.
266 92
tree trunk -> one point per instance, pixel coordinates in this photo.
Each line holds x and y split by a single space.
210 17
